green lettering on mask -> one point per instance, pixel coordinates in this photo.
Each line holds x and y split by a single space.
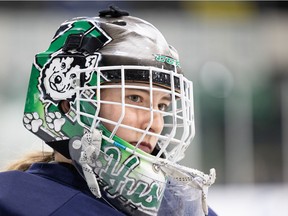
123 181
168 60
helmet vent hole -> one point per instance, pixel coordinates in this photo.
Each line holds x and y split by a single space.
120 23
64 106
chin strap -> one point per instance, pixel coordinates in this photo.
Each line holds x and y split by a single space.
191 177
85 152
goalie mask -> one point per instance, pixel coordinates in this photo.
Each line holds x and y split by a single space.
84 87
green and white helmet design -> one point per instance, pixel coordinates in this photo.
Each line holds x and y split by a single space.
63 102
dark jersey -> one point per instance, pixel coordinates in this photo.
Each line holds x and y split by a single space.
48 189
54 189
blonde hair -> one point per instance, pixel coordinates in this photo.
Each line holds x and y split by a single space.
24 163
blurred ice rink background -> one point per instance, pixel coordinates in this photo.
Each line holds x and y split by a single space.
236 53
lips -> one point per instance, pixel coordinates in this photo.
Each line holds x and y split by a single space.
144 146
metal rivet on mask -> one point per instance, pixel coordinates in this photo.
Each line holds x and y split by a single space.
76 144
156 168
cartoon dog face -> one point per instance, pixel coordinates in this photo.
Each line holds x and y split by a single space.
60 78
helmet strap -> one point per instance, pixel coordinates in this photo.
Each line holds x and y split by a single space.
61 146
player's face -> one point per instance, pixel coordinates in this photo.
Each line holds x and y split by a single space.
135 117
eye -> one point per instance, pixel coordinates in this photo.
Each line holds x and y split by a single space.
72 76
58 79
63 65
162 107
135 98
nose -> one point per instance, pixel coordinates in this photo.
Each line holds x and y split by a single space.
152 120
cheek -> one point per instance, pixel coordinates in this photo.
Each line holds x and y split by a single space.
114 113
131 117
108 112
